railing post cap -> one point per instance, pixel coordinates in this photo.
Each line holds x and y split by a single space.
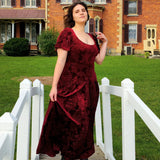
26 84
105 80
37 82
127 83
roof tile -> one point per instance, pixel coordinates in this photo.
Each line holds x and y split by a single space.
22 14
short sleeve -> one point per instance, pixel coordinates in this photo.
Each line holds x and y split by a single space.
64 40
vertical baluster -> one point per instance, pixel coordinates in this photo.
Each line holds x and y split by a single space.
128 123
23 138
35 119
107 123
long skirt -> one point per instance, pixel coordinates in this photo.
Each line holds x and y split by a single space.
68 124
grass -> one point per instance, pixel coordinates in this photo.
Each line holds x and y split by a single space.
143 72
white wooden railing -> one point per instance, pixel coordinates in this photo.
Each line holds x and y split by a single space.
130 103
21 117
21 114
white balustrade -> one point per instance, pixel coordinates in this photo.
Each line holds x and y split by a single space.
21 117
130 103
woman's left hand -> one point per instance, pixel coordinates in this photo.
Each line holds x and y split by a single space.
101 37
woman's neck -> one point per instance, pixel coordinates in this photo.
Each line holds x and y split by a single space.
79 28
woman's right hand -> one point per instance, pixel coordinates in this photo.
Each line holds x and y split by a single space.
53 94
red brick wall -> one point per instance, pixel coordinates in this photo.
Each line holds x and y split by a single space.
110 23
55 15
150 15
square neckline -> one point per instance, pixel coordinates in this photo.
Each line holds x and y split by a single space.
82 41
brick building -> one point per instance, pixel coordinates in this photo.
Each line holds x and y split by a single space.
130 25
21 18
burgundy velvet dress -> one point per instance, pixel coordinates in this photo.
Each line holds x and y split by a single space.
68 124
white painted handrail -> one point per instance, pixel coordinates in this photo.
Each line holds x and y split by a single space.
21 115
130 103
149 118
17 109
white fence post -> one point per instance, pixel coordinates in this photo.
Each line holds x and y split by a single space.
128 123
42 107
8 127
23 138
36 103
107 123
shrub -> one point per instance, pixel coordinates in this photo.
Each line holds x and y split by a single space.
47 41
17 47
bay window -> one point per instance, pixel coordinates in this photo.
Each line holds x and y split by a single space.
5 32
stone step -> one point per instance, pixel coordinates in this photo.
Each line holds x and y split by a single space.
98 155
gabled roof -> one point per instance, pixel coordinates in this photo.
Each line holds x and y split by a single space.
22 13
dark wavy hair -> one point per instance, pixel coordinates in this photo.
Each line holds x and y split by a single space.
68 18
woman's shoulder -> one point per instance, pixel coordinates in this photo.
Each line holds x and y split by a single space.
67 31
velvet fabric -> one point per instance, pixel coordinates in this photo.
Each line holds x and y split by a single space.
68 123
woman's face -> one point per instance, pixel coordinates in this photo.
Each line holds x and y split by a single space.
80 14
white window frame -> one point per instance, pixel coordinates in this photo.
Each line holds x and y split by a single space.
97 18
8 34
66 1
100 2
30 32
136 7
133 25
7 3
30 4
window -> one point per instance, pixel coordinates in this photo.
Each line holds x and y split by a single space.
132 7
100 1
30 3
97 25
87 27
34 33
91 25
132 33
5 3
66 1
31 32
5 32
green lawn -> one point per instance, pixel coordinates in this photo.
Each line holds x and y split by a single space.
145 73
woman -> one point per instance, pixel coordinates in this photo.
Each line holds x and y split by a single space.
68 124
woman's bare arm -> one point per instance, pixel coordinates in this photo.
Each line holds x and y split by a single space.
62 56
100 57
